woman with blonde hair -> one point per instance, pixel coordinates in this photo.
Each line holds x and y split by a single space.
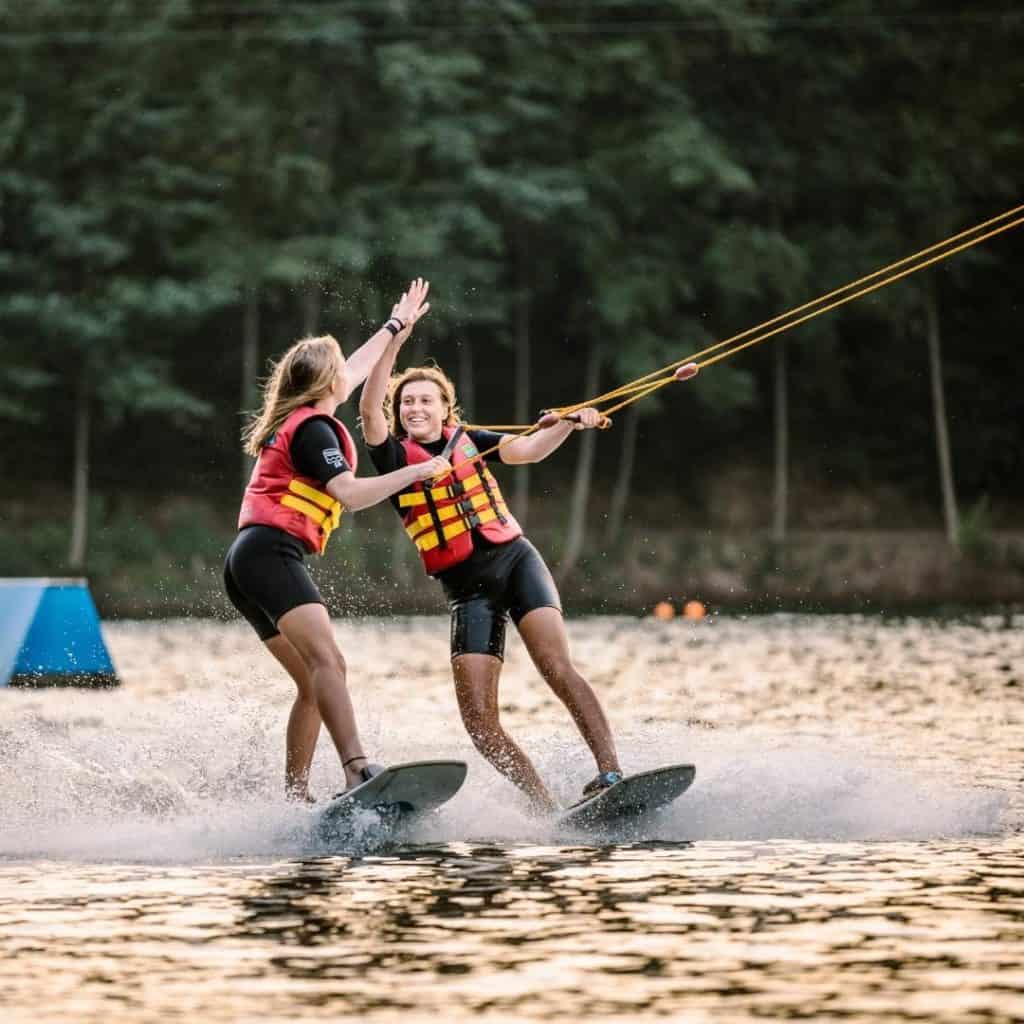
470 542
303 479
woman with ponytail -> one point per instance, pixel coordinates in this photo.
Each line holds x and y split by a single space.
303 479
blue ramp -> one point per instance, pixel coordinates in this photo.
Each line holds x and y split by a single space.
50 635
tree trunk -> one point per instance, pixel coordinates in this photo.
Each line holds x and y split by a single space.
781 496
250 363
521 414
80 488
584 472
624 476
949 509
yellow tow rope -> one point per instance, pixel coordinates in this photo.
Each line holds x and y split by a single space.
651 382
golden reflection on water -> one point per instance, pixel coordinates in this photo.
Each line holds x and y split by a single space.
723 931
150 870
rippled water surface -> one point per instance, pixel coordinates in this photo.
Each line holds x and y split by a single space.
852 848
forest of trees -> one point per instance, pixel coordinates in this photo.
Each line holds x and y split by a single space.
594 188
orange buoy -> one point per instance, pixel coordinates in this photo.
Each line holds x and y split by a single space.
664 610
694 610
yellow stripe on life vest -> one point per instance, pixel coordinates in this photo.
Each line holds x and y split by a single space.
324 510
438 493
476 501
318 515
428 540
325 501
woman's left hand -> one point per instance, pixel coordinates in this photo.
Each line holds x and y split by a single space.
412 305
584 419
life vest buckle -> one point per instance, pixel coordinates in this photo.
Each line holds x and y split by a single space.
456 489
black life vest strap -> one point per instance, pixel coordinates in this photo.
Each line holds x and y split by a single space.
454 490
453 441
432 509
490 494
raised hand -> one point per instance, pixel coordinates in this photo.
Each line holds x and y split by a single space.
412 305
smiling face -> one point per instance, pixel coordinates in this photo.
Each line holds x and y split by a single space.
420 403
422 410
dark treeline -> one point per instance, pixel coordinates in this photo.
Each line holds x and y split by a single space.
594 188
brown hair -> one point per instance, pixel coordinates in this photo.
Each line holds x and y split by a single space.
394 395
304 374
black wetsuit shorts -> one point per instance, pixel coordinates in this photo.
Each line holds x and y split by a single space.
496 582
265 576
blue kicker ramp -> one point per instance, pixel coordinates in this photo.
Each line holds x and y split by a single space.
50 635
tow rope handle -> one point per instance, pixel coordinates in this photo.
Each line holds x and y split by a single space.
549 417
450 447
453 441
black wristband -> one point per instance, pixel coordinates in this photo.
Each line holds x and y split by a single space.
390 326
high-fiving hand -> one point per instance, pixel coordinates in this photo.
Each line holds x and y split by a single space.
411 306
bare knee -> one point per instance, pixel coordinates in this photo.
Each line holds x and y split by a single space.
306 693
558 669
482 724
326 658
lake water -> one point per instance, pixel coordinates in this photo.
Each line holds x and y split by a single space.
852 849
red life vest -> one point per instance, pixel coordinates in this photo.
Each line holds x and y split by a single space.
441 520
278 495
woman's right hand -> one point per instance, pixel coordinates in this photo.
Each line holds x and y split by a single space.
434 469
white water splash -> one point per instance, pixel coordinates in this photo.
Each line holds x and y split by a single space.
187 779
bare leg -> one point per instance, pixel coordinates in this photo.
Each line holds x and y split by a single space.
308 629
476 689
303 722
543 632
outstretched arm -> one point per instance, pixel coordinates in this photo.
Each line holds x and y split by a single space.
404 314
542 443
356 492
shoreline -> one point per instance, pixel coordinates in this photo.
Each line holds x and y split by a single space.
860 572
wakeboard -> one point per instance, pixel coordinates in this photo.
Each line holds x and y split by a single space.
396 796
634 796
